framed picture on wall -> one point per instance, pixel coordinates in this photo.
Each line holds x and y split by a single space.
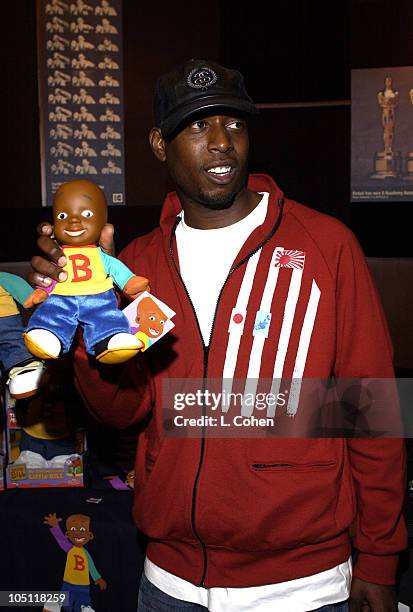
382 134
81 95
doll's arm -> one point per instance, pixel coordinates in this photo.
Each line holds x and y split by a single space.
135 286
123 277
16 286
39 295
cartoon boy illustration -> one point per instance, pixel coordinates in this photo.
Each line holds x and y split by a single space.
150 319
79 563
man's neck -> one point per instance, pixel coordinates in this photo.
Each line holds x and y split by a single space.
201 217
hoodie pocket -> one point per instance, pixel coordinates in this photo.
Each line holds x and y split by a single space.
292 467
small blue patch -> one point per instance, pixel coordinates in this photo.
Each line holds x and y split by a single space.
262 323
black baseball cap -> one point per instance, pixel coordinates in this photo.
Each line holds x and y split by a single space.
196 87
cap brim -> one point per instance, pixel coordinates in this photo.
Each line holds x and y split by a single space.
182 116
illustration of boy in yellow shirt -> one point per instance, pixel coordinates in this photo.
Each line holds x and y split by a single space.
79 563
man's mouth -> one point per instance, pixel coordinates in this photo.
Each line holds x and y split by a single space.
153 332
220 170
79 540
74 233
220 173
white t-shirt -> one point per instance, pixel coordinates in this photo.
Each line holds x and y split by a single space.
299 595
205 258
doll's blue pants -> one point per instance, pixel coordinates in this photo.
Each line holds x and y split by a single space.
98 315
12 348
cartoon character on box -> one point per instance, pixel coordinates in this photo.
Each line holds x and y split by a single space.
87 296
150 319
22 370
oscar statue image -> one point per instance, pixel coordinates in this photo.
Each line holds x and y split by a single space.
387 163
409 156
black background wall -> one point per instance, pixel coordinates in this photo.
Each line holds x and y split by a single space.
303 54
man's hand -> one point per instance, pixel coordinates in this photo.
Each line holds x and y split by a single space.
135 286
52 520
101 583
48 268
369 597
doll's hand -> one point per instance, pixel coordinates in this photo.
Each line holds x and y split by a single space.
101 583
52 520
135 286
49 267
38 296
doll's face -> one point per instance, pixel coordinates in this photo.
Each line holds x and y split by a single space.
79 213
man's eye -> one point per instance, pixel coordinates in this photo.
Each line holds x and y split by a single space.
236 125
151 318
62 215
82 529
87 213
73 529
198 125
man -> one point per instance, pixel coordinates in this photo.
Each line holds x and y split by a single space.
263 287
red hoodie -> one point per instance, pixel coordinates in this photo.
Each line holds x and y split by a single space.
248 512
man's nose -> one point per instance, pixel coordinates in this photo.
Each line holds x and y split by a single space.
219 138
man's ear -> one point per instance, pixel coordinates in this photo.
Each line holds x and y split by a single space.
157 143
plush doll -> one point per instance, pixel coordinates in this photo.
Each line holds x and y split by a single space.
50 425
87 296
22 370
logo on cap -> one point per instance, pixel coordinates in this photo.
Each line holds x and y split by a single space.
201 78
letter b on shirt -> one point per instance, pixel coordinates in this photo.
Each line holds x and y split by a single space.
81 268
79 563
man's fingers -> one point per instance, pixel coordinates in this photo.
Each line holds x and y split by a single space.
44 229
44 272
52 250
106 241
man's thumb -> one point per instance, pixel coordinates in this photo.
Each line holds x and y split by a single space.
106 241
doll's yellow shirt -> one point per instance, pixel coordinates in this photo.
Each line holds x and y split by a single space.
86 273
8 306
77 567
45 422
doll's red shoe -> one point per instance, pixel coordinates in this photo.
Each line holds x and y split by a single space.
118 348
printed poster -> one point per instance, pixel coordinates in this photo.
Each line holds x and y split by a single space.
382 135
81 95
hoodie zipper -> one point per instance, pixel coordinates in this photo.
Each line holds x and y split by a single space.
280 203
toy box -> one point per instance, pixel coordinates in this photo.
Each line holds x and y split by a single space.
45 441
1 472
2 441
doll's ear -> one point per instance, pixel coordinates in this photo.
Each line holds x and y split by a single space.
91 535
